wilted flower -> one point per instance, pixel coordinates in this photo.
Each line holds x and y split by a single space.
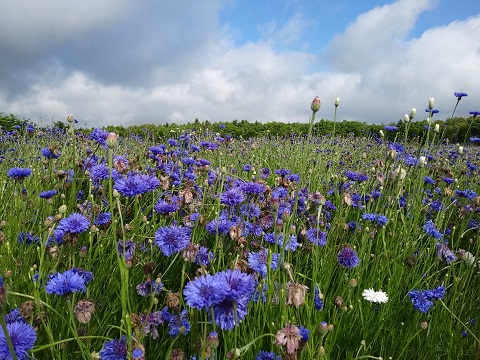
83 311
290 337
296 294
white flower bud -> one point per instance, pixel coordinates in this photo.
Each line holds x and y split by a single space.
381 133
430 103
460 149
412 113
337 101
406 118
423 160
437 128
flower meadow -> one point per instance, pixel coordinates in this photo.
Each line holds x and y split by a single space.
207 246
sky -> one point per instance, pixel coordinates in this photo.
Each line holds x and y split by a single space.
123 62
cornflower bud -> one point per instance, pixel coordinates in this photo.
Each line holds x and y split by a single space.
315 104
337 102
406 118
70 118
112 140
412 113
430 103
437 128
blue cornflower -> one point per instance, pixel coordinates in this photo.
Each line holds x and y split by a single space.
204 256
51 153
229 312
114 349
27 238
136 184
316 236
390 128
65 283
98 173
220 225
264 173
232 197
474 113
459 95
148 288
247 167
381 220
448 180
239 284
347 257
47 194
22 336
205 291
304 333
282 172
431 230
164 207
428 180
253 188
422 300
172 239
317 299
267 355
444 252
179 324
19 173
73 224
100 136
102 219
258 261
126 248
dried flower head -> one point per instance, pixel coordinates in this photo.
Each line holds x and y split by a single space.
84 311
289 337
296 294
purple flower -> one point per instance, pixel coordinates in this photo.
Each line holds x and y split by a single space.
19 173
391 128
126 248
178 323
264 173
459 95
444 253
347 257
172 239
316 236
229 312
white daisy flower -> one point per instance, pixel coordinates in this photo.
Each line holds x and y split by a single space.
375 296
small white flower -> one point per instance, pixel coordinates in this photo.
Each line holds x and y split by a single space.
437 128
412 113
406 118
375 296
337 101
430 103
423 160
381 133
460 149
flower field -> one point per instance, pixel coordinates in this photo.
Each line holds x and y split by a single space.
203 246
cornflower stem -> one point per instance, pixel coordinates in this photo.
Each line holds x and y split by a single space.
3 324
307 146
114 206
456 318
334 121
81 345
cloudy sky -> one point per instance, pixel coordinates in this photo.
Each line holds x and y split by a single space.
124 62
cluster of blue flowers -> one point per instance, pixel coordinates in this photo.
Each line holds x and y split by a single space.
423 300
227 293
